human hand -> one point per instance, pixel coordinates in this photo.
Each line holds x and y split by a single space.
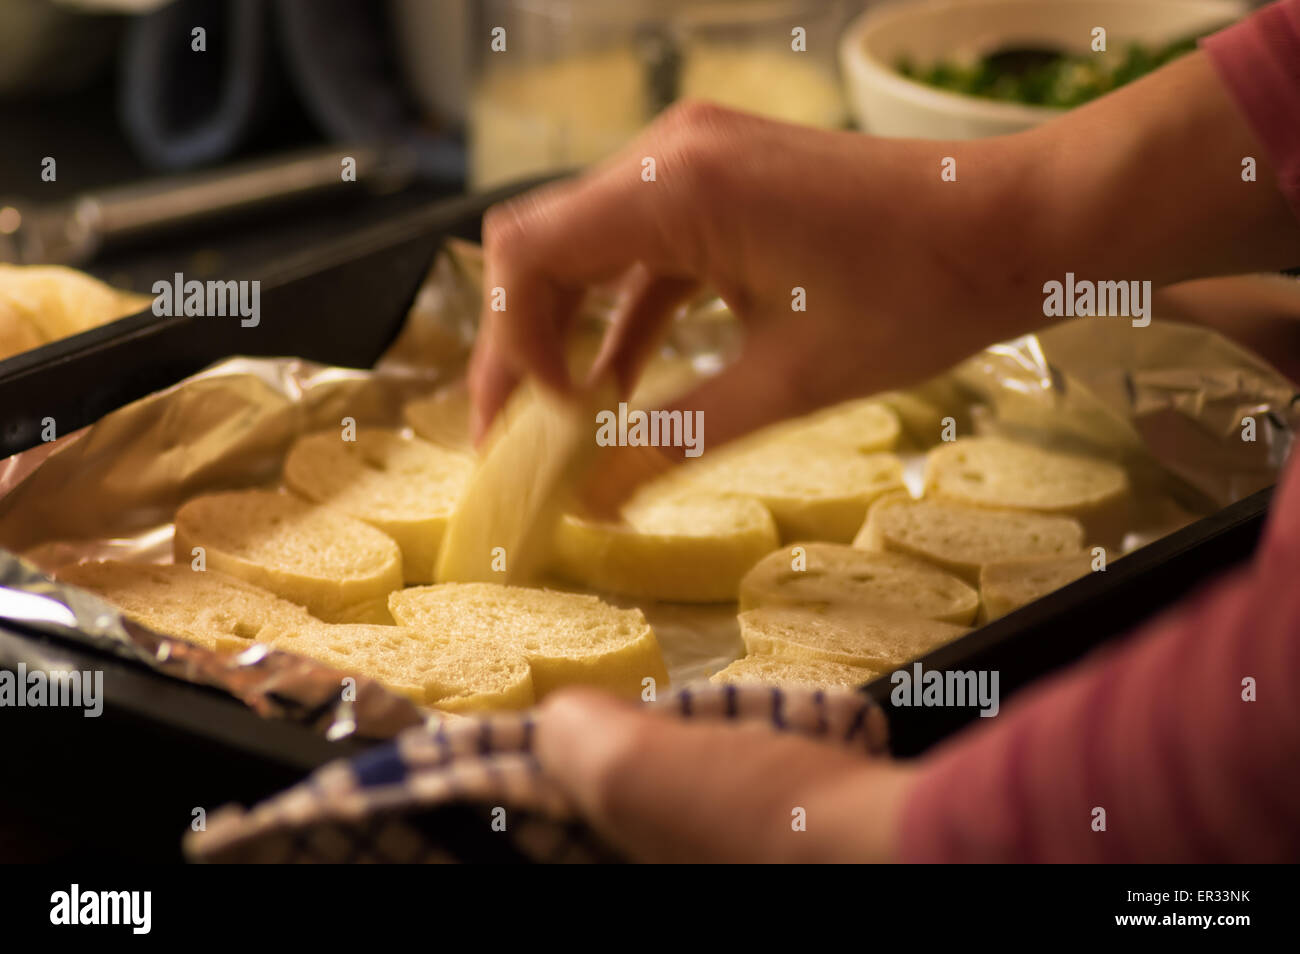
663 790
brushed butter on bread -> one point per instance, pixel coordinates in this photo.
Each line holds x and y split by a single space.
405 487
961 539
683 545
799 673
846 636
567 638
205 607
824 575
315 556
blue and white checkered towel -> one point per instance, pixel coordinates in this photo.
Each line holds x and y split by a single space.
472 790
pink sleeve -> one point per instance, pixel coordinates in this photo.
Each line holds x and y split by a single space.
1155 731
1258 60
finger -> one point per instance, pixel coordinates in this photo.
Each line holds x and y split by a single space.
669 790
491 381
643 315
614 476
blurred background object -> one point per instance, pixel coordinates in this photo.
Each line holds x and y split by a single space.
561 83
209 136
963 69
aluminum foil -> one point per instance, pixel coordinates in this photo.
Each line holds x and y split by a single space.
1166 400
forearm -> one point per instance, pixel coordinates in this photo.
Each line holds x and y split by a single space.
1148 185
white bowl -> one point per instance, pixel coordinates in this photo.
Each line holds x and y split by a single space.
886 103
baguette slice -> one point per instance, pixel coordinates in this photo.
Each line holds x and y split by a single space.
848 637
567 638
962 539
815 491
992 472
1011 584
799 673
405 487
837 575
865 425
442 418
454 675
315 556
683 547
203 607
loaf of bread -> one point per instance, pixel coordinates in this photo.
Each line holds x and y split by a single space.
689 547
315 556
43 303
992 472
405 487
455 675
798 673
814 490
845 636
203 607
567 638
961 539
828 575
1011 584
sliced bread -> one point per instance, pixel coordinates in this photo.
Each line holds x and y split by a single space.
405 487
689 547
204 607
962 539
864 425
442 418
992 472
825 575
815 491
455 675
848 637
798 673
315 556
1011 584
567 638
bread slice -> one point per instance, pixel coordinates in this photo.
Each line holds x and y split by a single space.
798 673
815 491
992 472
848 637
962 539
455 675
865 425
1011 584
688 547
403 486
204 607
442 418
834 575
42 303
315 556
567 638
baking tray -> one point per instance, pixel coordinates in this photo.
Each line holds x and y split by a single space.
183 746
